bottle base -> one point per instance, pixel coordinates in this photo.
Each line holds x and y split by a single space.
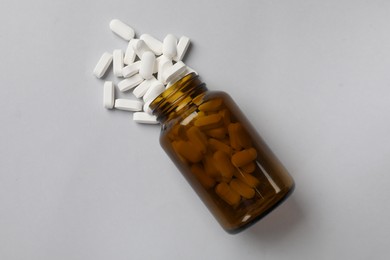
260 211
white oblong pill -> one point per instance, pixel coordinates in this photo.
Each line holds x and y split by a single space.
190 70
144 118
102 65
140 47
130 83
117 62
108 95
155 68
131 70
130 53
182 47
122 29
170 46
154 90
141 89
155 45
162 64
173 72
147 64
187 71
178 76
146 107
128 105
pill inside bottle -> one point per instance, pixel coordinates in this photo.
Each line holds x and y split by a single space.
220 153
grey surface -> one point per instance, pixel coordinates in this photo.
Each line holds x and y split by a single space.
80 182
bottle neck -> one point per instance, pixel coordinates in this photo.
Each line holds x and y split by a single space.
180 100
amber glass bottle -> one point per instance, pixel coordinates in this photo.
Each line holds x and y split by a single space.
220 154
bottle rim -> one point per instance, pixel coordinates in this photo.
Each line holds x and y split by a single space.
177 97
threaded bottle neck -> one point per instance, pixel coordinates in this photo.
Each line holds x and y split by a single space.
180 100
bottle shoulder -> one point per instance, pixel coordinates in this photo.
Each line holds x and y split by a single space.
216 94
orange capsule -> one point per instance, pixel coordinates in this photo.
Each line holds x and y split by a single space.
224 165
178 133
242 188
216 145
211 106
249 168
243 138
232 130
175 149
225 116
201 113
227 194
189 151
244 157
239 137
208 122
209 166
249 179
198 138
226 141
218 133
203 178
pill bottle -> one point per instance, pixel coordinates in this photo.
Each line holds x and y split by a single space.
220 154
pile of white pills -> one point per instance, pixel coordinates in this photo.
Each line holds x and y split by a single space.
148 67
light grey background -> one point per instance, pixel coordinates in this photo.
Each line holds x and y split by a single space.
81 182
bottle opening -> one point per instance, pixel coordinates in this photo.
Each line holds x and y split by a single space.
181 97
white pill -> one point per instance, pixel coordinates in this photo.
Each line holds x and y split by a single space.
187 71
131 70
130 53
182 47
109 95
170 46
155 68
141 89
144 118
155 45
130 83
190 70
146 107
154 90
174 72
102 65
147 65
162 64
122 29
140 47
118 62
178 77
128 105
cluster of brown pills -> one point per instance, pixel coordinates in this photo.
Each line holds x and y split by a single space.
219 152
